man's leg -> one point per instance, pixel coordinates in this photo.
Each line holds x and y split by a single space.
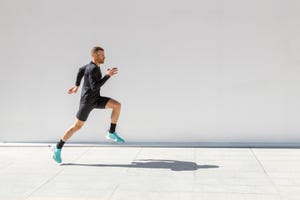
72 129
69 132
116 106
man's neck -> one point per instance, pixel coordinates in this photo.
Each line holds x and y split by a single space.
98 64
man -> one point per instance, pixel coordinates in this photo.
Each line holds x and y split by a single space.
90 99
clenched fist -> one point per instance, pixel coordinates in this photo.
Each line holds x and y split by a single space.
112 71
73 89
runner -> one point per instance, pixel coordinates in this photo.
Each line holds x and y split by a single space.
90 99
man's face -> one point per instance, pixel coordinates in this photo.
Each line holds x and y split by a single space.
99 57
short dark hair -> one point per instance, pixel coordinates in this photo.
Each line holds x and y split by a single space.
95 49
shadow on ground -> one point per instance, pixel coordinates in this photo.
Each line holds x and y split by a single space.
174 165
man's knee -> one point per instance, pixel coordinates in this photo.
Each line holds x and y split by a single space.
118 104
78 124
112 103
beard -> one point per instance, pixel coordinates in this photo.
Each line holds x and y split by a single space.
100 61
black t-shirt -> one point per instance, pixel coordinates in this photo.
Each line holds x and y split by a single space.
92 82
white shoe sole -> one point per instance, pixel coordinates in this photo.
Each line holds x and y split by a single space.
108 138
115 140
52 147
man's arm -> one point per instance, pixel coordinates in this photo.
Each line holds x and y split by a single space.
80 75
94 80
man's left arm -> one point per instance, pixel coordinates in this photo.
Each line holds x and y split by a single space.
94 80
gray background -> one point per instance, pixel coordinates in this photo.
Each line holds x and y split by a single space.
222 71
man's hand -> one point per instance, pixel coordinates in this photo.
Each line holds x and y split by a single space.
112 71
73 89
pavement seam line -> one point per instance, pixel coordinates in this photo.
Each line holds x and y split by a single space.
269 178
137 154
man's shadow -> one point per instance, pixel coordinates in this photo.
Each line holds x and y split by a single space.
173 165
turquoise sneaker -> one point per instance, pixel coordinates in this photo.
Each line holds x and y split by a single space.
56 153
114 136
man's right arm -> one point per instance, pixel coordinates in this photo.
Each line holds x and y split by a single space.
80 75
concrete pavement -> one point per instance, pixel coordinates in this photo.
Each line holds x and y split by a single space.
150 173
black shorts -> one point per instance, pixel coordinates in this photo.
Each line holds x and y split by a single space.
85 109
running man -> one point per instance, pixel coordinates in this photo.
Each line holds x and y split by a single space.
90 99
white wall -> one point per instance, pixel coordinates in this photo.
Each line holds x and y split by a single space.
189 71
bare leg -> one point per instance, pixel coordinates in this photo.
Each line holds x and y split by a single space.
70 131
116 106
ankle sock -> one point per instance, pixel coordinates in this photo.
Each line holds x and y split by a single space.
60 144
112 128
